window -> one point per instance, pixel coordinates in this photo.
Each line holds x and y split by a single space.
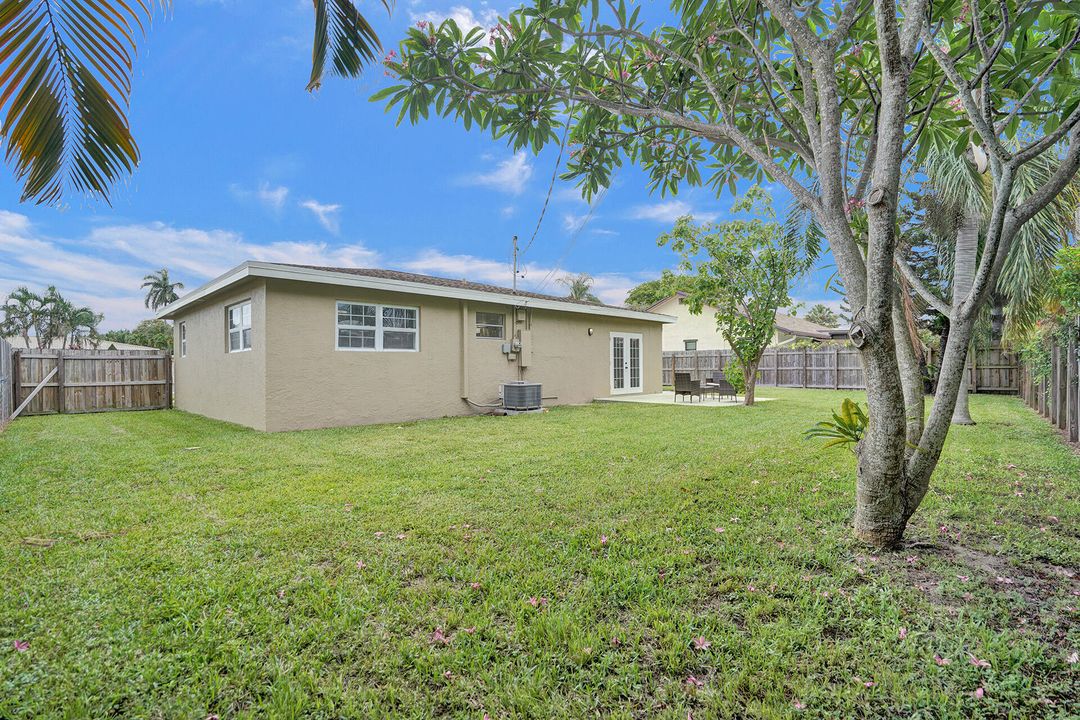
689 345
377 327
183 339
490 325
239 319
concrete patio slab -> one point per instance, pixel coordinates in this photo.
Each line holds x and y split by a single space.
668 397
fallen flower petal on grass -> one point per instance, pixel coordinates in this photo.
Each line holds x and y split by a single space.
942 661
700 643
694 682
798 705
360 565
977 662
603 539
979 693
902 633
439 638
22 645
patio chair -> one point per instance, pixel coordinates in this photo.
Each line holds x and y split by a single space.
686 387
721 386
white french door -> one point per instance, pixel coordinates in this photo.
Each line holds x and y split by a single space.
625 363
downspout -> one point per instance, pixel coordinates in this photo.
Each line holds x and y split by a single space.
464 350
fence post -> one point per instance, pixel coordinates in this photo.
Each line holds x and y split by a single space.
60 400
1072 391
16 378
169 380
836 367
1062 392
974 352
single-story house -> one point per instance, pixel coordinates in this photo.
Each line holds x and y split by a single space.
699 332
18 343
285 347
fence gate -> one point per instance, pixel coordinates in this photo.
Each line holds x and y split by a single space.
84 381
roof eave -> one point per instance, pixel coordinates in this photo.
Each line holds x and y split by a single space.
329 277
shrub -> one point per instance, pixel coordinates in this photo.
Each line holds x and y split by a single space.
734 374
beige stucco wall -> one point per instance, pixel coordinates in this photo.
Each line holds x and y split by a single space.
309 383
695 327
212 381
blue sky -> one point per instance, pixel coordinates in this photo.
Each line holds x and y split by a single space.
240 162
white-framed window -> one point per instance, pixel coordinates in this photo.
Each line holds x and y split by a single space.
238 321
183 339
490 325
367 326
689 345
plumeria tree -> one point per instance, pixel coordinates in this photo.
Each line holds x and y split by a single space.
837 102
743 270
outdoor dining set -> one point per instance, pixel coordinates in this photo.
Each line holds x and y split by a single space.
715 384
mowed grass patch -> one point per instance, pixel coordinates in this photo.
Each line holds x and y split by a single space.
559 565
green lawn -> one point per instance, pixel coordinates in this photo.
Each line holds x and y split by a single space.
163 565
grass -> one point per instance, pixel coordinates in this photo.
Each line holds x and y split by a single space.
164 565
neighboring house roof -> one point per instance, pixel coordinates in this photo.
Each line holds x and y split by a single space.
17 342
789 324
396 281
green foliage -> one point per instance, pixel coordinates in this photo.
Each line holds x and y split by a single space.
651 292
67 84
160 290
49 317
823 315
632 90
734 374
152 333
190 556
742 269
846 428
1067 279
579 287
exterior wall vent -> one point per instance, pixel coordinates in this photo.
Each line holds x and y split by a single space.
521 395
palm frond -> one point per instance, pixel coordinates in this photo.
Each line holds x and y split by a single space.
64 92
345 35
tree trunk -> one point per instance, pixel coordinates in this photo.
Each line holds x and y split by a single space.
881 510
967 250
750 381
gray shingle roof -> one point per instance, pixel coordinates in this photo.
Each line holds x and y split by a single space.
446 282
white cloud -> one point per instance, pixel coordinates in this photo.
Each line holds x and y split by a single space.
326 214
572 223
669 211
105 268
611 288
463 15
272 197
509 176
508 211
603 231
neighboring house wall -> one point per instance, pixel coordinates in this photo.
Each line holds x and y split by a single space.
701 327
213 382
311 384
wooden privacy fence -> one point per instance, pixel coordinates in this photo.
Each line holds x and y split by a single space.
1057 397
836 367
83 381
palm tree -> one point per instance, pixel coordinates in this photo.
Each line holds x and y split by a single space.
578 287
82 327
67 84
159 291
23 310
958 202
